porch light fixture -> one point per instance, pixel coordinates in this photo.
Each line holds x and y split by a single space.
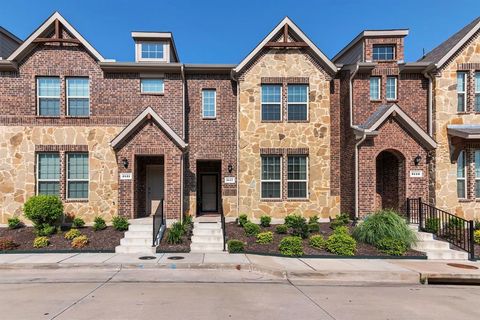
125 163
230 168
417 160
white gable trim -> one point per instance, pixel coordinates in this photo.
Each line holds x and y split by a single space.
459 44
299 32
37 33
139 120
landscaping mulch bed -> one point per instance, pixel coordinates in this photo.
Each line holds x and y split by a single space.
106 239
234 231
181 247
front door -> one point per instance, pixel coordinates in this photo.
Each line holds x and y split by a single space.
209 192
154 188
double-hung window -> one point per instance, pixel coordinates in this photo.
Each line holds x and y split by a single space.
152 50
461 175
78 97
48 173
375 83
477 173
77 175
477 91
209 103
271 102
461 91
383 52
391 91
48 96
297 176
297 102
155 86
271 177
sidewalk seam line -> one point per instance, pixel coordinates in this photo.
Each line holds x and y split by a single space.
307 264
58 262
311 300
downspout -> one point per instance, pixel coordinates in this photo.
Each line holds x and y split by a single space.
360 141
430 102
182 72
238 141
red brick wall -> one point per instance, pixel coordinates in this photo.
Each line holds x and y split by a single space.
397 41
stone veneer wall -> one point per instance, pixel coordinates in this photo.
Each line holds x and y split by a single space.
313 135
17 167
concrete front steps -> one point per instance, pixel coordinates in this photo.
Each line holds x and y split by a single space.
207 235
436 249
138 238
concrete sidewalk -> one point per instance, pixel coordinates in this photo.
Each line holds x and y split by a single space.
299 270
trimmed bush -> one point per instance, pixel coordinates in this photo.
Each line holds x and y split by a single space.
313 227
392 247
313 219
242 220
99 224
120 223
80 242
281 229
265 221
317 241
293 219
72 234
7 244
432 225
78 223
265 237
235 246
342 229
340 221
341 243
175 233
14 223
298 224
476 236
291 246
46 230
41 242
251 229
43 210
384 224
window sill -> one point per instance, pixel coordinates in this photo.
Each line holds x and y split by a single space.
271 199
77 117
209 118
465 200
271 121
376 100
297 200
463 112
392 100
392 60
152 93
298 121
76 200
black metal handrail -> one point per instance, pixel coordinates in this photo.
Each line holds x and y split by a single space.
224 231
455 230
158 222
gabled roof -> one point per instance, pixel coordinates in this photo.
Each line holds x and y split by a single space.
139 120
44 29
299 33
10 35
385 111
155 35
446 49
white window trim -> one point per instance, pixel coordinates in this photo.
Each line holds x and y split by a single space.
477 178
307 193
262 103
294 103
261 175
37 173
396 89
394 49
464 173
214 104
379 80
152 92
464 92
477 92
77 97
74 180
166 51
48 97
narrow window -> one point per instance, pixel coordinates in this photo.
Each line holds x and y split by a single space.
297 176
155 86
271 177
297 101
391 88
461 175
152 50
461 91
477 173
209 103
48 173
77 175
78 97
375 88
383 52
48 96
271 102
477 91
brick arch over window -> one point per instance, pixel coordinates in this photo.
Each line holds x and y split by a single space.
390 179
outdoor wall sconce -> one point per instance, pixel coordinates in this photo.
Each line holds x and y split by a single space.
417 160
230 168
125 163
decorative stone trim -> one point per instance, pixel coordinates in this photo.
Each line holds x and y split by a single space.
279 80
468 66
61 147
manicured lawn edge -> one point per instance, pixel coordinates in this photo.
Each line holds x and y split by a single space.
55 251
338 257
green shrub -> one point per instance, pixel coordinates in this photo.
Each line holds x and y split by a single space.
281 229
120 223
291 246
265 237
292 219
298 224
393 247
187 221
72 234
45 230
99 224
175 233
14 223
242 220
235 246
476 236
432 225
313 227
78 223
43 210
317 241
41 242
7 244
477 225
341 229
251 229
341 243
313 219
265 221
384 224
340 221
80 242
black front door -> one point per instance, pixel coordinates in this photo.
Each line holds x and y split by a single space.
208 192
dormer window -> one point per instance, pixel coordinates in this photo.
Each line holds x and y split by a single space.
152 51
383 52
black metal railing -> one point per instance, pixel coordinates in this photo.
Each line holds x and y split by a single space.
158 222
446 226
224 230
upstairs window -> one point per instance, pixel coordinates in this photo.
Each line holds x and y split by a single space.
375 88
77 176
477 91
48 96
383 52
271 102
297 102
297 177
209 103
48 173
78 97
461 91
153 86
271 177
461 176
391 88
152 50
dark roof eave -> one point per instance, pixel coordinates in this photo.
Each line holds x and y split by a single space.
140 67
6 65
209 68
414 67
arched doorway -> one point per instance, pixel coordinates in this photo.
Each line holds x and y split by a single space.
390 180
